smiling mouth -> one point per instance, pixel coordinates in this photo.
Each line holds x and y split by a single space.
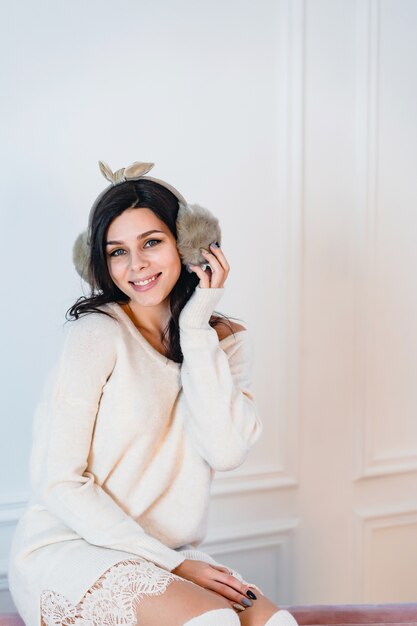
146 281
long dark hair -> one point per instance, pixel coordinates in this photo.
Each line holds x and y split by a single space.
140 193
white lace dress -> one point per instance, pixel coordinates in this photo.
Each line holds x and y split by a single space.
114 598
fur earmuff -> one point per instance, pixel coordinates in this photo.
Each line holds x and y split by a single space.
81 255
197 228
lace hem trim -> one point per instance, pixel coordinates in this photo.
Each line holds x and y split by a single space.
112 600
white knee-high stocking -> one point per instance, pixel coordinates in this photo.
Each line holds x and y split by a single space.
281 618
217 617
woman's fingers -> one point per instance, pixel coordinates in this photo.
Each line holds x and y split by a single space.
216 275
218 253
221 568
213 577
232 590
203 276
231 584
220 272
218 265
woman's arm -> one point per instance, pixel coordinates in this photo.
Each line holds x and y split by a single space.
63 432
217 389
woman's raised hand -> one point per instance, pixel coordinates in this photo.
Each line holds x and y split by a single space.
219 268
215 578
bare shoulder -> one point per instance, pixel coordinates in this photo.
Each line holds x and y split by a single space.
224 329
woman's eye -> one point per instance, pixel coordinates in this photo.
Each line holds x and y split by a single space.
116 252
152 240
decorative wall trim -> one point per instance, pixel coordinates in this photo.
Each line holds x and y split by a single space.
367 521
11 510
290 145
4 583
292 198
390 465
290 150
366 176
368 462
255 481
239 538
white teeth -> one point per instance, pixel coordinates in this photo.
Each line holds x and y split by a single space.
145 282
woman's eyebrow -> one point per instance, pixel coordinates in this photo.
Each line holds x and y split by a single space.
142 236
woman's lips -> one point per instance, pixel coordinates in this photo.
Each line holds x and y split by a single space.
148 286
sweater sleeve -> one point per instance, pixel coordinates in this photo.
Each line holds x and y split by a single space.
63 431
217 390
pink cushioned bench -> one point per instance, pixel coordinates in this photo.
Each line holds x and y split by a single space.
356 614
7 619
326 615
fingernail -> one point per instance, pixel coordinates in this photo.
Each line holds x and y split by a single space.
204 251
238 607
188 267
251 595
215 244
247 602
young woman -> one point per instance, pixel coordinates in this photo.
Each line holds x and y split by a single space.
151 395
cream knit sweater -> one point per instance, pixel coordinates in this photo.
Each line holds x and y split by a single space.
126 441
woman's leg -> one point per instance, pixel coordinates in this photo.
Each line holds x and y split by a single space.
139 593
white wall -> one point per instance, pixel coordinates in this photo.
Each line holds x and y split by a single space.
357 490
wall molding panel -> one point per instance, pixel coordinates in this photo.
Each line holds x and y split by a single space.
239 538
369 461
254 481
284 472
367 523
265 549
4 582
11 510
290 146
367 18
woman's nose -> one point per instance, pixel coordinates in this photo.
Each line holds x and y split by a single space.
138 260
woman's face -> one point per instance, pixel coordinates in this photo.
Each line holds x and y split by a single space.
140 247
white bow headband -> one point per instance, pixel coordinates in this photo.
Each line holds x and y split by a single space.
196 226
